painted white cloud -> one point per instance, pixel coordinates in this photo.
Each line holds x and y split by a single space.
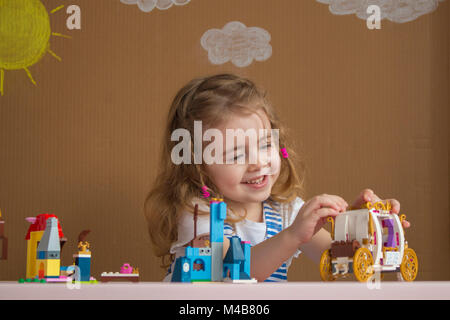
237 43
149 5
394 10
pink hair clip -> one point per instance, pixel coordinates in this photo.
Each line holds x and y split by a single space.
284 153
206 194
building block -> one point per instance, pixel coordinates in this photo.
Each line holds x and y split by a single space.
233 259
237 260
218 214
49 246
32 242
48 251
245 266
83 261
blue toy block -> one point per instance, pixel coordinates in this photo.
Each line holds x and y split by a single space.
237 260
235 254
200 263
194 266
84 263
245 265
181 272
218 213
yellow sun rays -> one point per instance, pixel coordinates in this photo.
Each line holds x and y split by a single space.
57 9
25 27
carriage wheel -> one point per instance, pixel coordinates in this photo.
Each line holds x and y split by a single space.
325 266
410 265
363 264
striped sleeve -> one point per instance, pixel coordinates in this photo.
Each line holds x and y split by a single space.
278 276
228 230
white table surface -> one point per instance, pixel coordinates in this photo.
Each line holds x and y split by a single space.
225 291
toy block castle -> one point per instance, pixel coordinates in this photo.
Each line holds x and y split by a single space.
203 260
44 242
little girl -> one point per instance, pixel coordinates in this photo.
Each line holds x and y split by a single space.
264 204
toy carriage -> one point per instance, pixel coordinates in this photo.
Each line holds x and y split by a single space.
368 241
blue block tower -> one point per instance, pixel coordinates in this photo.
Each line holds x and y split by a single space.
218 214
83 261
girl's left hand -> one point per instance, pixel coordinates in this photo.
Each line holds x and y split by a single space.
368 195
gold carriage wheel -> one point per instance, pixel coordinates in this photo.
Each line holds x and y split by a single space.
410 265
325 266
363 264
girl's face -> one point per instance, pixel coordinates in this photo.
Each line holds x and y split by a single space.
250 180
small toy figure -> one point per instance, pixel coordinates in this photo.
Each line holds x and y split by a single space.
367 241
83 245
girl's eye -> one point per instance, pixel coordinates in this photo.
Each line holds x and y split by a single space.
233 159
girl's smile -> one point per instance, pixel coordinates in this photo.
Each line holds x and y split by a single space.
257 183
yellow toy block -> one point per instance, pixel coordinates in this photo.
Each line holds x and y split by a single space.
48 268
32 244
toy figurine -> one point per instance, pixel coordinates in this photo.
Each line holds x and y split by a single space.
83 245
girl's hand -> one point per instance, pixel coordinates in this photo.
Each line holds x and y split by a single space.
368 195
313 215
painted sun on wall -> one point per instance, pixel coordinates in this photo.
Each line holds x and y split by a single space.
24 36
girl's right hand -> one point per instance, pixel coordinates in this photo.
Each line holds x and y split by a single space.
313 215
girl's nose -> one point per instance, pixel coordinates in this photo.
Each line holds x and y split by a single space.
258 159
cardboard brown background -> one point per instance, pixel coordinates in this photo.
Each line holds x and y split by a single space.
368 108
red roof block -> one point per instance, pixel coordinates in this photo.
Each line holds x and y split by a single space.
40 223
